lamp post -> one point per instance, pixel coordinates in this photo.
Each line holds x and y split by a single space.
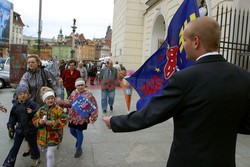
39 27
73 38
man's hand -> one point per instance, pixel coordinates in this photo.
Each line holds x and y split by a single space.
106 119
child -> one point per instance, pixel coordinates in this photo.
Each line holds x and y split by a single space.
76 123
63 94
22 113
50 120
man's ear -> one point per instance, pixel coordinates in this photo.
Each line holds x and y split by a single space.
196 42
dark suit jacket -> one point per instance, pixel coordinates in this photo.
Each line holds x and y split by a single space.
209 103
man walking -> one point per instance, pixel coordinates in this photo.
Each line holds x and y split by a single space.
108 78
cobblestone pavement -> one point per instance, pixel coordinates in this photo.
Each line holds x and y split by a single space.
103 148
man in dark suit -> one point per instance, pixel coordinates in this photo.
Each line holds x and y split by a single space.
209 103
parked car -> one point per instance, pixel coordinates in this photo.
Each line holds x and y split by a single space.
7 64
2 61
4 78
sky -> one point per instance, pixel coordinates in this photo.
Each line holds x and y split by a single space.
92 16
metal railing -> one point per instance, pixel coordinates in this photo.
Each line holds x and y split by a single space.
235 35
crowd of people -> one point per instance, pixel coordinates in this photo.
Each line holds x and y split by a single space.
209 104
44 103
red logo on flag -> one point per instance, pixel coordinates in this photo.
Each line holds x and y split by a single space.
170 66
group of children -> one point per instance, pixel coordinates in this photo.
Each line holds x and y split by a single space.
42 126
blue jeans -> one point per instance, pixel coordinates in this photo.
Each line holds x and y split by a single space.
78 134
108 96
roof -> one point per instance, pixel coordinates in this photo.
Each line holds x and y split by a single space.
17 19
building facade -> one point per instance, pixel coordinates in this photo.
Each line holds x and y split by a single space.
140 26
103 48
45 46
88 50
127 35
61 52
17 29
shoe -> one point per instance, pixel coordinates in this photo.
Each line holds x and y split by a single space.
111 108
35 162
104 111
25 154
78 153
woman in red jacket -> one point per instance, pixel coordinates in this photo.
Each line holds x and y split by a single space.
69 76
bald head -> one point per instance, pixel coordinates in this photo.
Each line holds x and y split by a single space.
207 30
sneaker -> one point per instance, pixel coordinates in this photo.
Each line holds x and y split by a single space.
104 111
111 108
35 162
78 153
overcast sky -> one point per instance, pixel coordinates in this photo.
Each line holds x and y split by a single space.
92 16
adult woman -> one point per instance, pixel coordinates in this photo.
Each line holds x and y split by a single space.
35 77
69 76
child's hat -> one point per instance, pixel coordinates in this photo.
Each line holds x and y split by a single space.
48 94
22 88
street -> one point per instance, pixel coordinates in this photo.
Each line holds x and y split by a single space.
103 148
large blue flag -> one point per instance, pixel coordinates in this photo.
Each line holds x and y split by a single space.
150 79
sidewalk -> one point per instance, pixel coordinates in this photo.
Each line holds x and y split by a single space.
103 148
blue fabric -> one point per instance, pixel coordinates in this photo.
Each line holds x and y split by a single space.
83 106
78 134
150 79
108 97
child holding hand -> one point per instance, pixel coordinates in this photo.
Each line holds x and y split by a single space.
76 122
22 113
50 120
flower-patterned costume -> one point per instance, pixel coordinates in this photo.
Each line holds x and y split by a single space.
50 135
